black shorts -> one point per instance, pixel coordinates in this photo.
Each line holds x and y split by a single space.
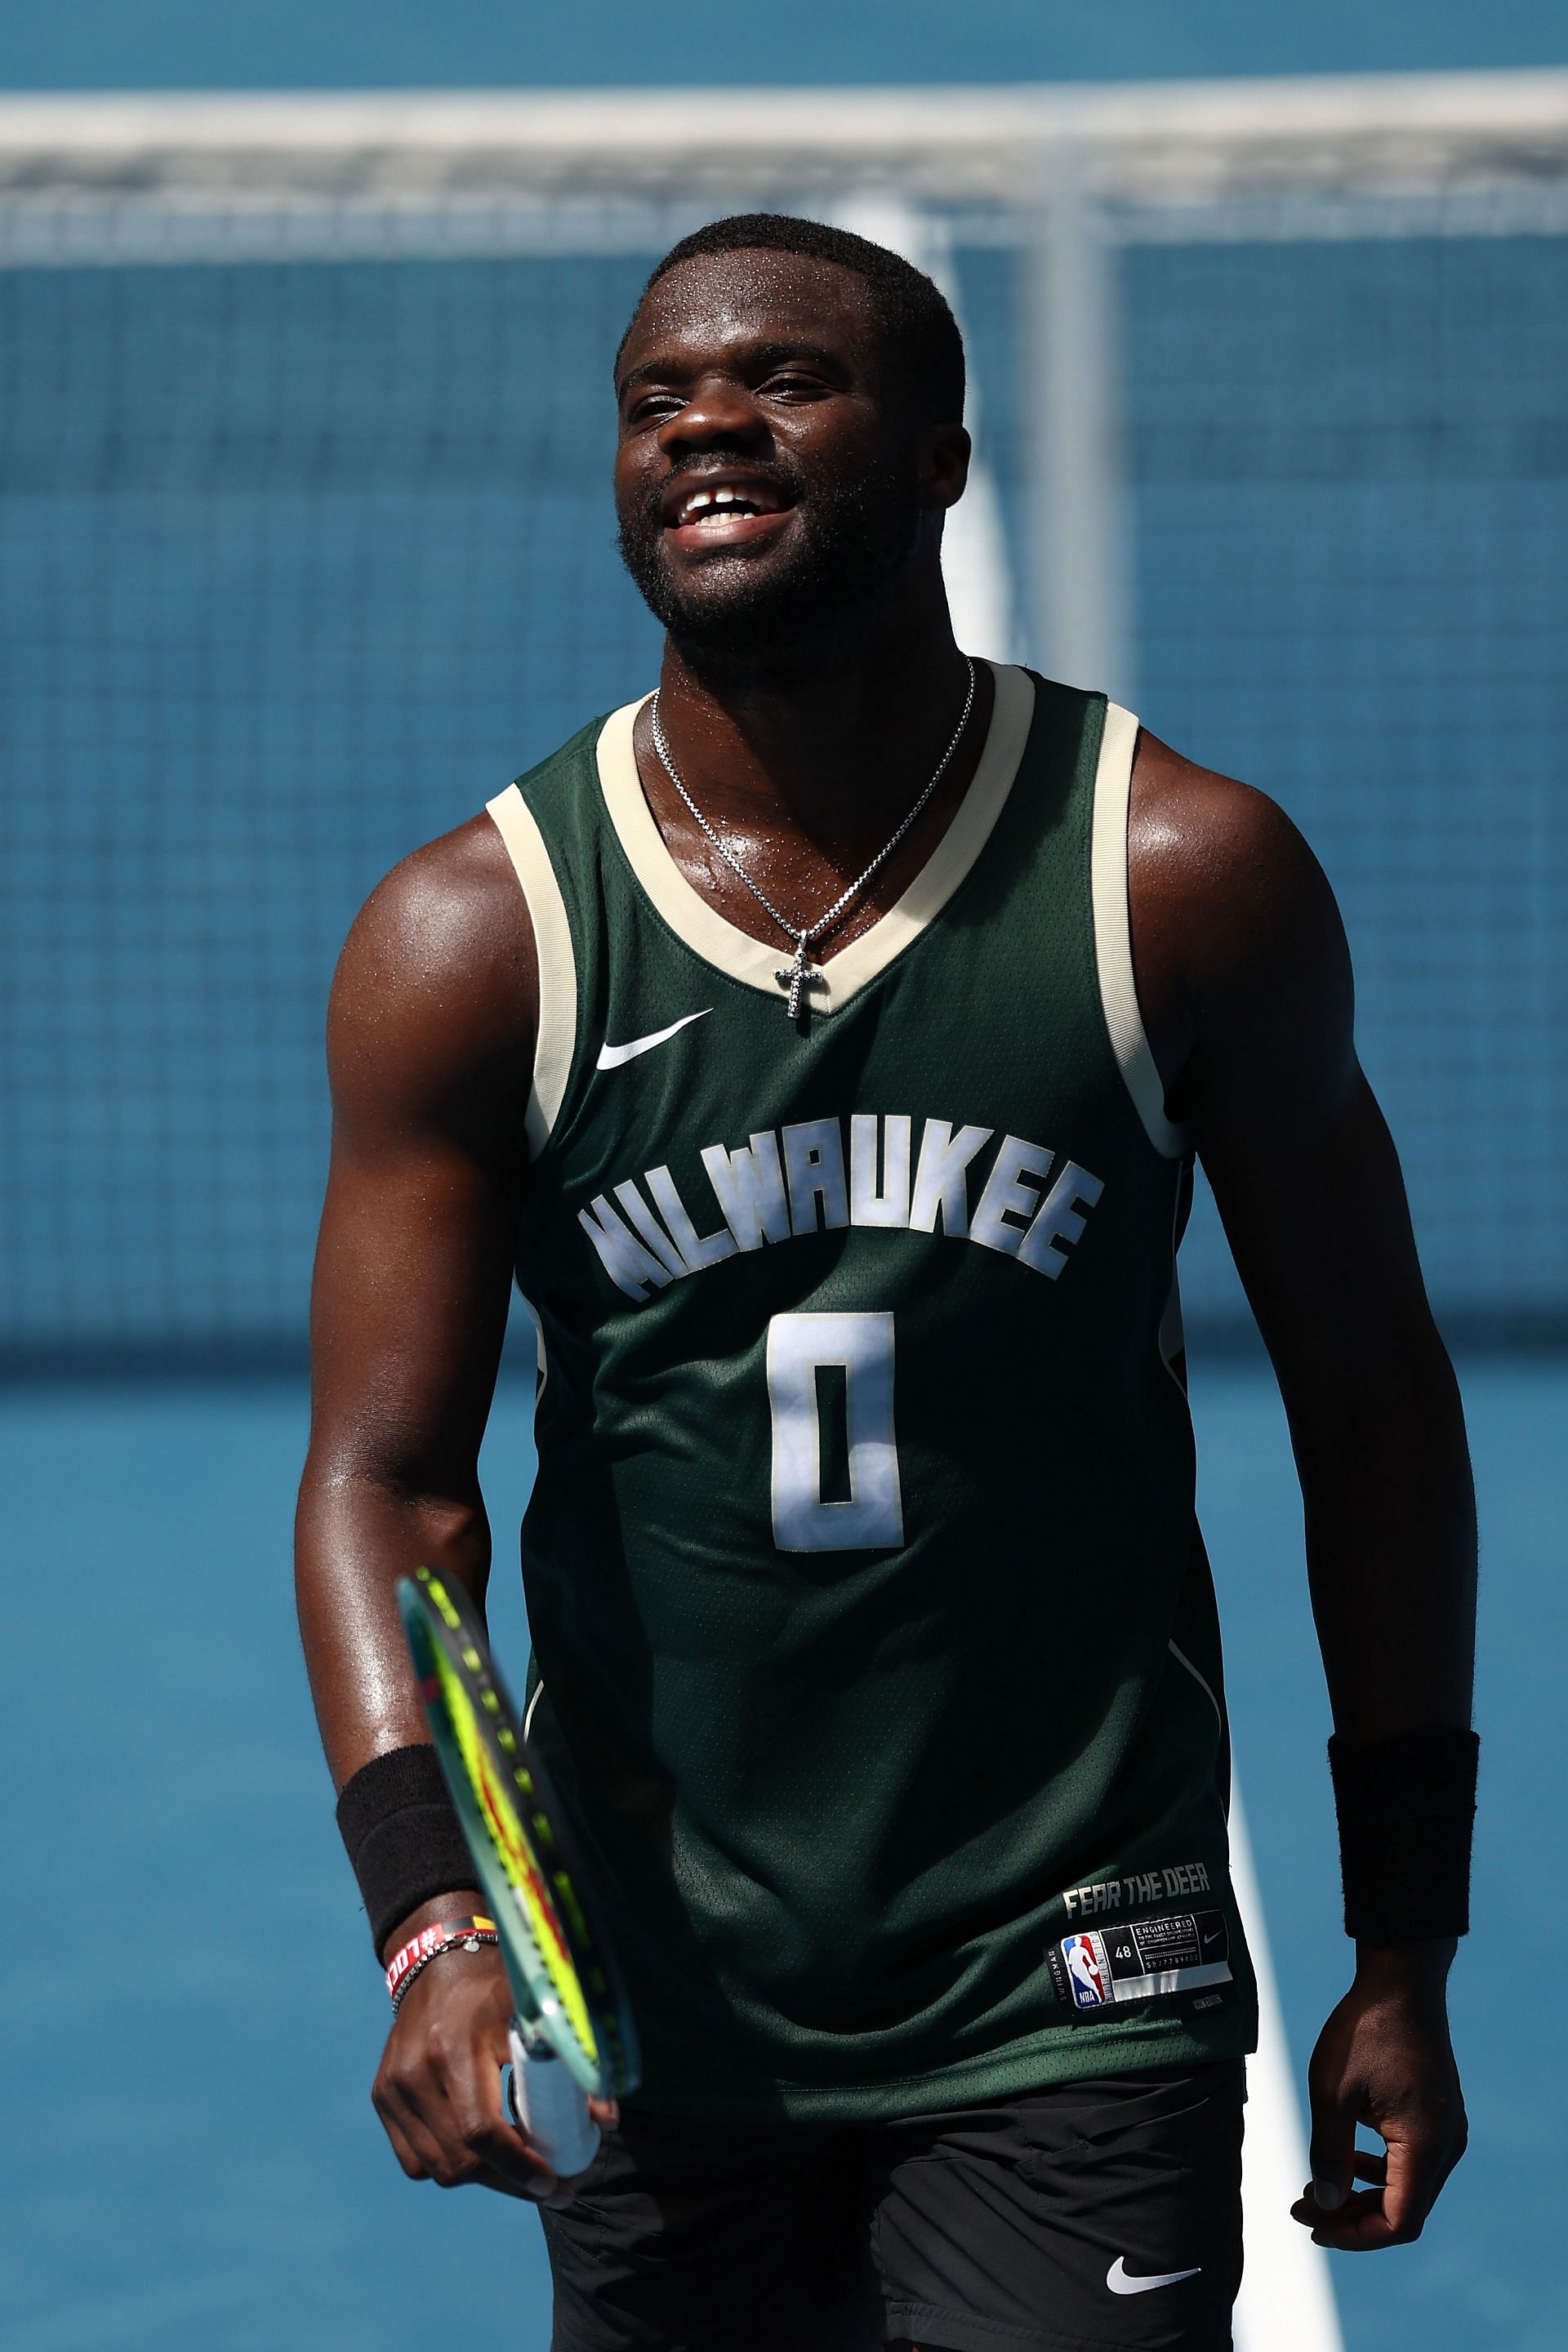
1102 2214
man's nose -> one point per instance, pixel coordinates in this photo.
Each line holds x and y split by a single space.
717 410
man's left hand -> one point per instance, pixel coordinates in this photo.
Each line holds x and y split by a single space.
1384 2059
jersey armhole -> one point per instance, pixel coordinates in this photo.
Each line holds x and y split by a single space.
1113 933
555 1038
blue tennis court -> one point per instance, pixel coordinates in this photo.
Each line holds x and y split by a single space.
193 2014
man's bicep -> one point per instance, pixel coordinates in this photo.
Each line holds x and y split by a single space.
1315 1210
1303 1168
428 1050
409 1302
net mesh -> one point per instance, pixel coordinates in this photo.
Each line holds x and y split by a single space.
1352 479
302 560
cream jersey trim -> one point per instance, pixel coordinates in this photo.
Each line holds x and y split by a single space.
1113 932
757 963
557 1032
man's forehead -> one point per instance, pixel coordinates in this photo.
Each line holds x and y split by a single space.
720 301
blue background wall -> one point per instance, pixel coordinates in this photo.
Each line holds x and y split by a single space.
301 561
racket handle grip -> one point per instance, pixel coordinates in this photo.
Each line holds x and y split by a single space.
552 2108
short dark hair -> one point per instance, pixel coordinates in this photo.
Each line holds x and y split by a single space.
911 309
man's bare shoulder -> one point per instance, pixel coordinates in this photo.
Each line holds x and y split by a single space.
1219 833
1206 850
449 907
438 970
1235 928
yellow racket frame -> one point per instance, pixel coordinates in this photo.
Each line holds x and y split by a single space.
562 1984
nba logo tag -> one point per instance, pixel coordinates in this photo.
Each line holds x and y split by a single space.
1085 1971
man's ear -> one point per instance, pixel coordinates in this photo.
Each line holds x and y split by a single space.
944 464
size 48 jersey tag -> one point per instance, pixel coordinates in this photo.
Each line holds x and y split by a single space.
1184 1952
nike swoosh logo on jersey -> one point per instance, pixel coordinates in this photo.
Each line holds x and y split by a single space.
1117 2279
611 1056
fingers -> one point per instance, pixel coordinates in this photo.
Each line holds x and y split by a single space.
441 2130
1419 2161
1341 2225
493 2149
439 2095
402 2149
1405 2180
444 2109
1371 2165
1333 2149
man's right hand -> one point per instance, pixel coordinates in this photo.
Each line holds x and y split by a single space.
438 2088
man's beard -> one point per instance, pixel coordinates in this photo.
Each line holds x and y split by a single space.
851 538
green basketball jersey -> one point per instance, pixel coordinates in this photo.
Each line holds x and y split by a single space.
874 1640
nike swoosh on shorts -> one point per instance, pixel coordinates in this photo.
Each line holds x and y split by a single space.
1117 2279
611 1056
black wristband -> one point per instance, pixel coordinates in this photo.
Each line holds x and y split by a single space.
1406 1808
404 1839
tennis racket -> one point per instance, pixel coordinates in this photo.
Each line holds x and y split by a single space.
572 2035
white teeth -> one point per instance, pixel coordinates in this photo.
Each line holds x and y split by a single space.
702 504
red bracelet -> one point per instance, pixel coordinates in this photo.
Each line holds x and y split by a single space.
442 1936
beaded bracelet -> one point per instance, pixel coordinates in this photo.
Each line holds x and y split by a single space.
442 1936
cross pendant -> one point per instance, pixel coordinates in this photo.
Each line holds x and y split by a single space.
798 976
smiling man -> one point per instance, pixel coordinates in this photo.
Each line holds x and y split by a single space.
825 1041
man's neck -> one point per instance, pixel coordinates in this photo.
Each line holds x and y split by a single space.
834 745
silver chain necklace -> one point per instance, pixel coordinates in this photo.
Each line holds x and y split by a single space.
800 975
